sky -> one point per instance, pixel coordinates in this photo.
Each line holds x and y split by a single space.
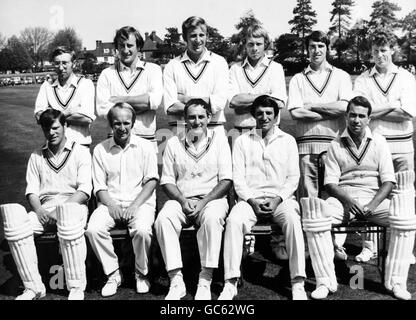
98 19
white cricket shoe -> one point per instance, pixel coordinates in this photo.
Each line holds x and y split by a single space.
365 255
340 254
177 290
298 292
113 282
204 290
229 292
320 293
76 294
142 285
29 294
401 292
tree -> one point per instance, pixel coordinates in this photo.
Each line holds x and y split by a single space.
19 58
66 37
383 17
409 27
303 21
217 43
173 37
5 57
289 52
36 40
359 44
89 64
3 41
340 18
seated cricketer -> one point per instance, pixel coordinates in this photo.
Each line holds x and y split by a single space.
196 177
124 177
58 186
359 178
265 175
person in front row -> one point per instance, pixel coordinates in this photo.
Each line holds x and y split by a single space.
124 177
196 176
359 178
266 176
58 186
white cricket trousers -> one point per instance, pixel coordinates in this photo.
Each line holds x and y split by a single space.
140 229
239 223
170 222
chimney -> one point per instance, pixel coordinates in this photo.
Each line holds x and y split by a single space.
153 36
146 35
97 43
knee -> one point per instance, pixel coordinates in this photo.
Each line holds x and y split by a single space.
140 232
92 231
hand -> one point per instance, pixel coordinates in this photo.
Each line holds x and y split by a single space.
270 205
115 211
52 216
130 212
117 99
182 98
369 209
352 206
197 210
43 216
257 207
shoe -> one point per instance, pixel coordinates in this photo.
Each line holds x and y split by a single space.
229 292
177 290
365 255
320 293
298 292
340 254
401 292
113 282
142 285
204 290
76 294
412 259
29 294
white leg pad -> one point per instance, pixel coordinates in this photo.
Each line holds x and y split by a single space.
71 221
405 182
19 233
317 226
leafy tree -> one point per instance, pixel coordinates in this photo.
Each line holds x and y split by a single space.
409 27
36 40
288 47
340 18
172 45
217 43
19 56
89 64
303 21
383 16
66 37
5 59
359 44
3 41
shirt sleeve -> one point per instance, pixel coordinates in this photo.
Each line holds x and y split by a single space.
103 104
32 176
233 83
225 169
408 95
41 103
239 167
150 163
278 83
219 95
293 172
295 94
170 90
386 169
332 168
168 169
87 99
99 175
155 88
84 179
345 90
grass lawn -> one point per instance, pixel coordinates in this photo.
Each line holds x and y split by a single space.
264 278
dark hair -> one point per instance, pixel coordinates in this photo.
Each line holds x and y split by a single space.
264 101
60 50
361 102
197 102
121 105
317 36
124 33
48 117
383 38
191 23
256 31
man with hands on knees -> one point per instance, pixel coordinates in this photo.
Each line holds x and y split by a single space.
196 177
265 176
124 177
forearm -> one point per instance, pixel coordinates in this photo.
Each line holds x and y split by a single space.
333 109
173 193
242 100
34 202
219 191
336 192
78 197
382 193
176 109
146 192
397 115
140 103
104 197
306 115
78 119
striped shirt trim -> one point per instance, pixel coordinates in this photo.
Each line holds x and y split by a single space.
321 91
358 158
195 78
256 81
399 138
61 165
385 92
315 138
199 156
128 87
63 104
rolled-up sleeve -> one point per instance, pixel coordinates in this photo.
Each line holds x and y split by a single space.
32 176
345 91
41 103
87 99
295 94
99 175
219 95
170 90
293 173
408 95
155 88
84 179
103 104
233 88
278 83
239 171
225 169
168 169
332 168
386 168
150 163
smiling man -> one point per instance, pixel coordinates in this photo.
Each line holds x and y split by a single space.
133 81
359 178
266 176
196 177
58 187
71 94
197 73
124 177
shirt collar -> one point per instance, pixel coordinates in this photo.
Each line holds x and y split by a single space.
183 137
276 133
68 145
368 134
133 142
264 61
327 67
205 57
72 81
393 69
139 65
